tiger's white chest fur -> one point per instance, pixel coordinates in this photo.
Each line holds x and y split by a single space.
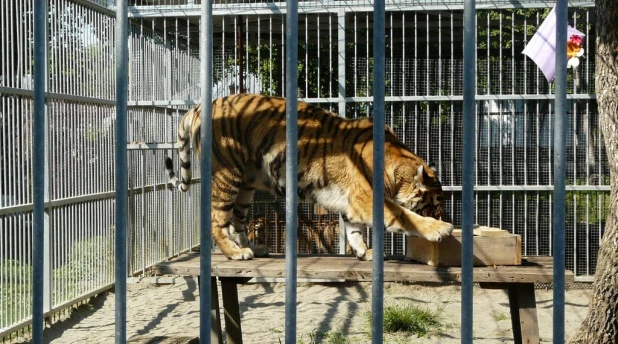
332 196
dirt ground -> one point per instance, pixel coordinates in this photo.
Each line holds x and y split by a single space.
170 313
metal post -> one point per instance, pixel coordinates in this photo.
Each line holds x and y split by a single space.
239 55
377 275
291 168
560 169
206 43
469 90
38 165
122 71
341 76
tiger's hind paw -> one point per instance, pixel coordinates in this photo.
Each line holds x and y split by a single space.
242 254
438 230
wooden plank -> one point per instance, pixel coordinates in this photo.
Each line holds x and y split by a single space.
231 309
498 248
532 270
524 319
215 326
493 285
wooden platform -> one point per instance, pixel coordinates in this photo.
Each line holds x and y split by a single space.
517 280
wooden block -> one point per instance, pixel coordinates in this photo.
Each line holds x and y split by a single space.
492 246
484 231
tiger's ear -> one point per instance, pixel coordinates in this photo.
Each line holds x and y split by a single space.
432 166
420 174
389 130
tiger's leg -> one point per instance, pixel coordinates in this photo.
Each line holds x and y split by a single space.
354 235
237 230
396 218
225 190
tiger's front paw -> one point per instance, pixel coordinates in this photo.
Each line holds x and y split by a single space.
260 251
437 230
367 256
242 254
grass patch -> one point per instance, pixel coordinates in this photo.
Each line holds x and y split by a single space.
411 319
324 337
498 316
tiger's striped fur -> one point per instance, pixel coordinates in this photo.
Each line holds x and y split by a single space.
334 170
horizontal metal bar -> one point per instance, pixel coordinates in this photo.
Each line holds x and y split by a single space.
306 7
138 190
189 102
56 96
150 146
529 188
583 279
101 9
389 99
85 198
14 328
460 98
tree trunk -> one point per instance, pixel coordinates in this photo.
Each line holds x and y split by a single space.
601 323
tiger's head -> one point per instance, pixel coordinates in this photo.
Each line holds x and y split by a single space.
256 229
420 191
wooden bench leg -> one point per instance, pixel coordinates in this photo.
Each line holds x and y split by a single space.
231 308
215 322
524 319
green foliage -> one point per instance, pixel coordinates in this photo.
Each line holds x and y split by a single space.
498 315
15 290
326 337
88 260
266 67
409 318
14 271
587 206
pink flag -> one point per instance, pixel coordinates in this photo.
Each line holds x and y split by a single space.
542 47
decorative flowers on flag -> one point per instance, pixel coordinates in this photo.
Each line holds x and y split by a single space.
574 50
542 46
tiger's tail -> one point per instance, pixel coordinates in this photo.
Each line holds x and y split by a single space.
184 153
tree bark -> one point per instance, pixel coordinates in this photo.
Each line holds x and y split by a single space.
601 324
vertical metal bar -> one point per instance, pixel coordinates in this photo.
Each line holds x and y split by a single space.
259 55
121 170
270 55
560 170
330 56
246 72
469 88
38 157
341 63
377 276
306 64
367 87
599 195
206 63
319 48
291 168
355 57
239 55
284 60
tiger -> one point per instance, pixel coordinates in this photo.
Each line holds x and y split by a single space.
335 167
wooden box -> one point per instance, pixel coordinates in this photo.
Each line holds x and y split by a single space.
492 246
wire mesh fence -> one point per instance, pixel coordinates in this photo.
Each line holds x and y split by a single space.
80 134
424 78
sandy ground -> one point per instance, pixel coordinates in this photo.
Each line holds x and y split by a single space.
171 312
